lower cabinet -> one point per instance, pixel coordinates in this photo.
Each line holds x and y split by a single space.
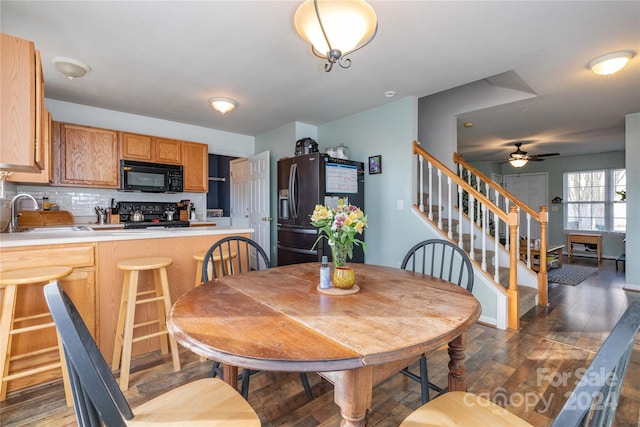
80 285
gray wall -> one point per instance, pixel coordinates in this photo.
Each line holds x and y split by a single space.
388 131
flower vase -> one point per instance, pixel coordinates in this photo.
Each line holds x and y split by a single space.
343 276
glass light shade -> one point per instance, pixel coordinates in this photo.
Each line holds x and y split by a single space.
70 67
518 163
223 105
346 22
609 64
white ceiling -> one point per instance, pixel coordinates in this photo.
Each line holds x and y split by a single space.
166 59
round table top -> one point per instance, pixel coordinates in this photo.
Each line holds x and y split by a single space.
275 319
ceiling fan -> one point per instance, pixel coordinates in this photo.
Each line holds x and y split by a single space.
519 158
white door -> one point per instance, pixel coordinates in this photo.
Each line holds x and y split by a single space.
259 204
531 189
250 203
239 192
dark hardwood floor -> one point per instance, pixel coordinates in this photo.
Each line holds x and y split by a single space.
530 372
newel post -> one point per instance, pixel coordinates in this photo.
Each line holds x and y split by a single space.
513 320
543 217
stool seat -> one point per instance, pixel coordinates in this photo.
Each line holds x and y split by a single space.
150 263
30 275
217 259
132 297
12 325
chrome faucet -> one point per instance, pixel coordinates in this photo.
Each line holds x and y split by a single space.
13 221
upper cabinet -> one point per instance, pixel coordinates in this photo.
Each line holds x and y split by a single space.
196 167
88 156
147 148
45 176
21 106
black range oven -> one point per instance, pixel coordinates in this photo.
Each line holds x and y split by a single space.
154 214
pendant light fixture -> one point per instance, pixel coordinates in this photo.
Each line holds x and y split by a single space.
336 28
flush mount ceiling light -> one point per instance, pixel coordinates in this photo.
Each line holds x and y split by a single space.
224 105
70 67
336 28
610 64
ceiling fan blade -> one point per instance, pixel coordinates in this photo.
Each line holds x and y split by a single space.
545 155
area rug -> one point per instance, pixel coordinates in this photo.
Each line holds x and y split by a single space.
570 274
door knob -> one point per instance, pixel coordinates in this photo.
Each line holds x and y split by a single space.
266 218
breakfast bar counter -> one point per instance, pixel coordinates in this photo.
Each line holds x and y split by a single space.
95 284
67 234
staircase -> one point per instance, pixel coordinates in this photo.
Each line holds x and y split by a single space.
469 209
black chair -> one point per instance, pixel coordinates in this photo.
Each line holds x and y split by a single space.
445 260
592 403
244 255
97 397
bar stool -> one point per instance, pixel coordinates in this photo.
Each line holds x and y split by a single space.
226 258
126 316
10 281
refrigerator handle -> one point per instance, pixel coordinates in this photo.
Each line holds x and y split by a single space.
293 171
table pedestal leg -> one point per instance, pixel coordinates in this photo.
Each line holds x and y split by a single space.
230 374
457 370
352 393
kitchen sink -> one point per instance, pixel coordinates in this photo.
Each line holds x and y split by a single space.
58 229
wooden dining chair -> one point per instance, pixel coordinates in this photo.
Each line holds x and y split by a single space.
97 397
592 403
248 255
445 260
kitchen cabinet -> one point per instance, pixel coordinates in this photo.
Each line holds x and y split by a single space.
195 159
21 105
44 176
88 156
80 285
146 148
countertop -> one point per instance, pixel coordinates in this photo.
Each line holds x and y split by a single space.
42 237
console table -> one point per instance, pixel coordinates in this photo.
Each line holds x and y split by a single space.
553 250
591 239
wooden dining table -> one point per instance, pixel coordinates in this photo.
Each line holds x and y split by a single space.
277 320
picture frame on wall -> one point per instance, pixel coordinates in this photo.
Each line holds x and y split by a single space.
375 164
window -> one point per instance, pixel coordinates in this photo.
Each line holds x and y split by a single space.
595 200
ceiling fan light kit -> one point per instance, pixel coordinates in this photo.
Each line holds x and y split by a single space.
519 158
518 163
223 105
611 63
336 28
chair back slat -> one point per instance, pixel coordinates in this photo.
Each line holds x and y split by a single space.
95 391
595 399
244 250
442 259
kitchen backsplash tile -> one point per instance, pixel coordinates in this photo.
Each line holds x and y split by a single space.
82 201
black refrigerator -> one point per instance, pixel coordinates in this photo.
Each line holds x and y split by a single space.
304 182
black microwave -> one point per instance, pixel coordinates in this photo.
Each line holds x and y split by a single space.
150 177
